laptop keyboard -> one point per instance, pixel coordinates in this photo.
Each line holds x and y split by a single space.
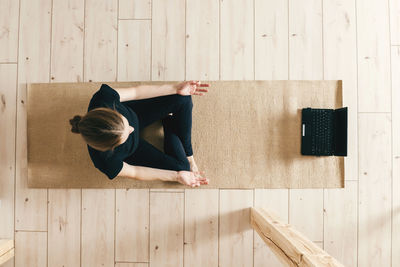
321 141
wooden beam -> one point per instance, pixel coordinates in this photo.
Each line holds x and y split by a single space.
6 250
289 245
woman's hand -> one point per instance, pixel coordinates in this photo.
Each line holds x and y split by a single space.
192 179
191 88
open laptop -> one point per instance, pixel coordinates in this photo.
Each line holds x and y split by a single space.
324 132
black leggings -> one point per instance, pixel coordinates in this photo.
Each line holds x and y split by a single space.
177 132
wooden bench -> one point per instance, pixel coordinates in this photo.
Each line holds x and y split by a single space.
289 245
6 250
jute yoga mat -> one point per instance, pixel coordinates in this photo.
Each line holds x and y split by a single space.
246 134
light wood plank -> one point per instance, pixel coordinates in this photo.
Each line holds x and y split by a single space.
305 212
319 244
275 200
201 227
306 63
98 211
237 40
235 232
134 50
9 14
202 63
373 40
132 225
166 229
305 40
374 234
100 63
34 51
6 245
64 205
396 155
6 259
202 40
171 190
124 264
8 92
34 41
340 223
271 40
134 9
30 203
67 41
168 40
395 22
64 224
292 247
30 249
340 62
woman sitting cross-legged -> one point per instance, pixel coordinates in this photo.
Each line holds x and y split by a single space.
111 130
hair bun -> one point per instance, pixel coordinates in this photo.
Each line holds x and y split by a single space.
74 122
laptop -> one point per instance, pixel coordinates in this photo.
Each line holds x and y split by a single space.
324 132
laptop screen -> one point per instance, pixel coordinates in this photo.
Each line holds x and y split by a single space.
341 132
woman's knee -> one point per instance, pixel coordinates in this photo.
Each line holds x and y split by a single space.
184 100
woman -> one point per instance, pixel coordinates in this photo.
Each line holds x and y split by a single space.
116 115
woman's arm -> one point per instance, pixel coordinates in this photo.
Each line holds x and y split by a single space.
145 91
149 91
148 174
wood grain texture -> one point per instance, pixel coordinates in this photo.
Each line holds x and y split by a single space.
126 264
201 227
100 62
340 62
8 92
275 200
373 39
64 227
134 9
168 40
9 16
306 63
237 45
6 245
97 237
271 40
30 249
34 51
166 229
34 41
134 50
375 202
132 225
292 247
67 40
305 40
235 232
202 40
396 155
394 22
340 223
6 260
310 202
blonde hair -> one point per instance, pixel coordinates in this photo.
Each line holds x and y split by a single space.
101 128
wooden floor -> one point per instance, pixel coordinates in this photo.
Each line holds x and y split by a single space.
357 41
